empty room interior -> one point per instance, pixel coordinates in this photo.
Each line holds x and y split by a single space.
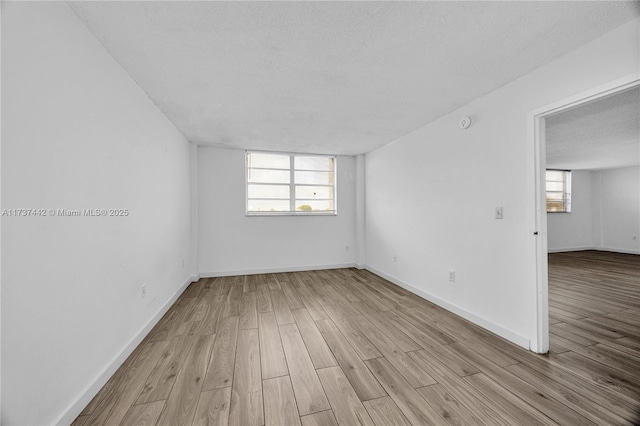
320 213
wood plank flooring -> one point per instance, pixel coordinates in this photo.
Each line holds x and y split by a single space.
345 347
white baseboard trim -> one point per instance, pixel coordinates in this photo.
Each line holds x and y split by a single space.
276 270
510 335
608 249
623 251
92 390
616 250
566 249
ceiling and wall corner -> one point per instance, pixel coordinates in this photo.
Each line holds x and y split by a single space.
332 77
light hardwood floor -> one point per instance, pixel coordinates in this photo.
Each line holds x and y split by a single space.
347 347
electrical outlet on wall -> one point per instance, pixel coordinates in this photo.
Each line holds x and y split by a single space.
395 258
144 290
452 276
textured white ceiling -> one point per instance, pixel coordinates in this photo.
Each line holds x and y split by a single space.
332 77
603 134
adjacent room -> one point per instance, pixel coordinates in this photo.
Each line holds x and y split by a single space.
593 205
320 213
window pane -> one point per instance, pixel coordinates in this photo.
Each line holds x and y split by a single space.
268 161
314 192
555 206
322 178
269 176
313 163
268 191
555 186
272 177
558 186
314 205
557 175
268 206
555 196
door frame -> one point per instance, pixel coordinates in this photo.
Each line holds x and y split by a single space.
539 342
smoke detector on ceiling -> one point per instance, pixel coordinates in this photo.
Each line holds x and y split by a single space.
465 122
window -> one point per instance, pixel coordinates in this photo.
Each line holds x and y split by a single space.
558 191
299 184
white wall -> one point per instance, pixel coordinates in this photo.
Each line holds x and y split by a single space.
618 201
361 214
79 133
193 209
1 8
431 194
231 243
573 231
605 213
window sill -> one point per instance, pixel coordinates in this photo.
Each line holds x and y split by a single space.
289 214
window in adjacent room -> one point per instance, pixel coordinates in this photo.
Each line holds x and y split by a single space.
294 184
558 191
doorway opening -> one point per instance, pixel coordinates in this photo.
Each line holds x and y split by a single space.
538 136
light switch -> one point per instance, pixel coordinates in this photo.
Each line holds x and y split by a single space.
499 213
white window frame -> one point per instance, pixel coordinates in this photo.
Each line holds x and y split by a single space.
567 183
292 185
